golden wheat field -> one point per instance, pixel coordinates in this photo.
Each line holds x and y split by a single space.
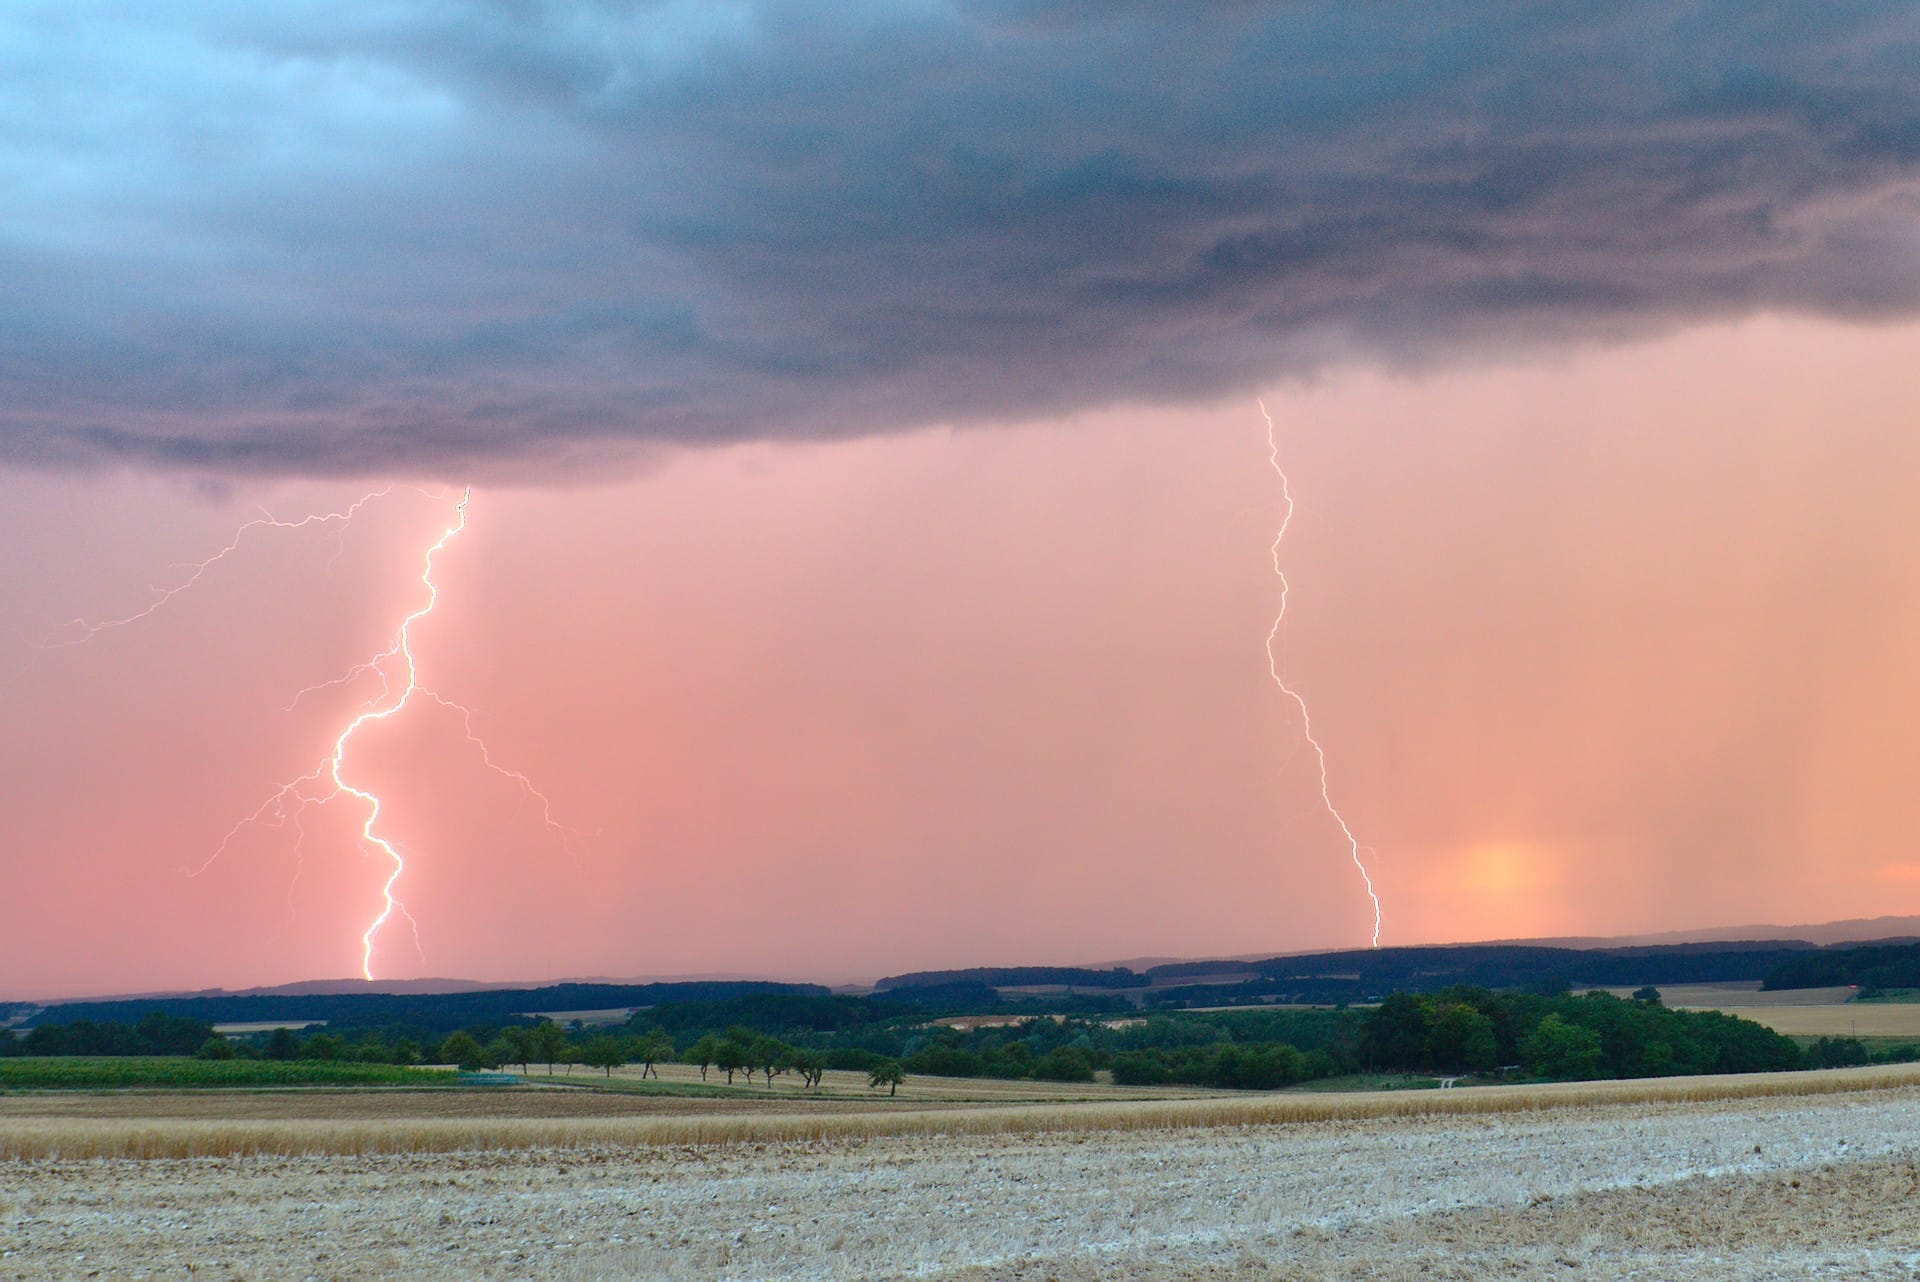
1891 1021
1775 1176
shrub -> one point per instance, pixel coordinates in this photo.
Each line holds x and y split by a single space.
1064 1064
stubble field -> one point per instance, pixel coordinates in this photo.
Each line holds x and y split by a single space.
1609 1182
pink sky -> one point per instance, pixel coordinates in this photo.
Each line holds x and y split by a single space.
1614 642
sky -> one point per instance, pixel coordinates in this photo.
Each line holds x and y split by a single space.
868 553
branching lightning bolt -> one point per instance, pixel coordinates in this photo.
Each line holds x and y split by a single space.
401 648
1273 667
89 629
327 782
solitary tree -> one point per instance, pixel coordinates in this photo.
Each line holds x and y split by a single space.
216 1047
886 1073
461 1051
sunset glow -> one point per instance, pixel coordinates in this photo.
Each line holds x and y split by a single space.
872 556
846 709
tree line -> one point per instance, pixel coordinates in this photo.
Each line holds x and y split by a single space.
761 1037
1869 967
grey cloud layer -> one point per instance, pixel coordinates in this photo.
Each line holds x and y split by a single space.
434 235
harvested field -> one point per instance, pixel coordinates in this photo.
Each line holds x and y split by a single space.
1736 998
601 1017
1798 1012
1893 1021
1768 1187
918 1086
53 1133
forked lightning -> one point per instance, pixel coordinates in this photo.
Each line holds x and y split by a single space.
328 781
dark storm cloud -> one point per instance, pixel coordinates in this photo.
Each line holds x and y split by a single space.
432 235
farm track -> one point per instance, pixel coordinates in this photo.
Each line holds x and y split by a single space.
1765 1187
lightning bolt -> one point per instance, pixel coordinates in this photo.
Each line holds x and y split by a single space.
328 781
1273 667
196 570
402 648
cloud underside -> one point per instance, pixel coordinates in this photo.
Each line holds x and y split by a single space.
439 237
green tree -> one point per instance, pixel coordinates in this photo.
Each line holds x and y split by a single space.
1396 1032
1556 1048
1840 1052
216 1047
462 1051
1463 1040
703 1052
523 1047
886 1073
771 1056
608 1053
549 1043
650 1049
323 1046
282 1044
497 1051
811 1067
1647 994
1064 1064
730 1057
369 1049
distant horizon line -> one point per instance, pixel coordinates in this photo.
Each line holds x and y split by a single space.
1843 930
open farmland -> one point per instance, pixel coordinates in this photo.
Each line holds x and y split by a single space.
91 1072
1890 1021
1738 998
842 1084
1596 1182
1799 1012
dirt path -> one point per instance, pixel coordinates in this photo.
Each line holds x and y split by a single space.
1672 1192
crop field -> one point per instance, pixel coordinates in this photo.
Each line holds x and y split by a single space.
51 1126
90 1073
1887 1021
1800 1012
1738 998
918 1086
1786 1176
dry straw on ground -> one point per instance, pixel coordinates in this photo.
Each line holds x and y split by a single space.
36 1138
